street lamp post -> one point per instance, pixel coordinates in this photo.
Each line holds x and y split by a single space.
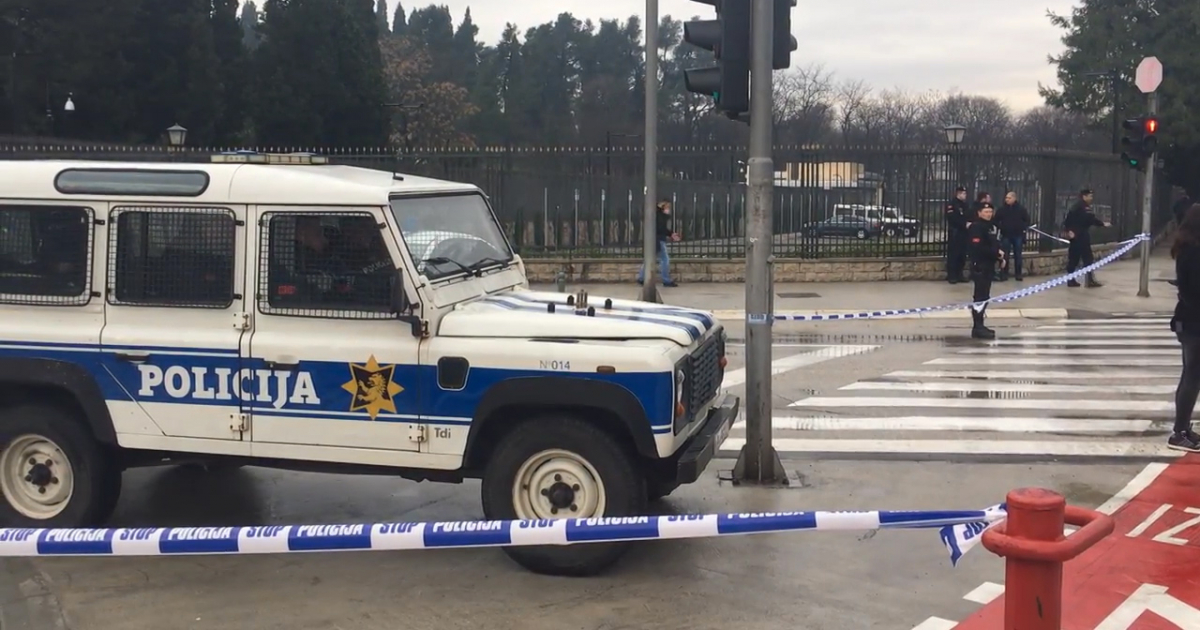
955 134
176 136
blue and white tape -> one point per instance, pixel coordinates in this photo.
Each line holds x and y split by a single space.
464 534
1034 228
1124 248
963 537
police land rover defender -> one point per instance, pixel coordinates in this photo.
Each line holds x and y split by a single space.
281 311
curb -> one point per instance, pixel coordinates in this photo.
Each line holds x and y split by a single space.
963 313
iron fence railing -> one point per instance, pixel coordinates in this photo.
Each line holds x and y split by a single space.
583 202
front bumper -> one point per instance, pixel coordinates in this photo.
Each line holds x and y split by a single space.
693 457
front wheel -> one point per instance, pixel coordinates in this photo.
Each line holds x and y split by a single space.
861 235
53 473
552 468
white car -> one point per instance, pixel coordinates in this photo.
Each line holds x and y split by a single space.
283 312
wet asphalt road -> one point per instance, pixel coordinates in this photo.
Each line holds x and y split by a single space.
888 580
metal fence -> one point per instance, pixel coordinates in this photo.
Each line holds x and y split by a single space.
583 202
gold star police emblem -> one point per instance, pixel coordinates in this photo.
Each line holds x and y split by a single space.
371 388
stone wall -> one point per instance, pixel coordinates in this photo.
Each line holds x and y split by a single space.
544 270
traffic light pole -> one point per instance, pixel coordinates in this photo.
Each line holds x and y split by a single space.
1147 204
649 237
758 463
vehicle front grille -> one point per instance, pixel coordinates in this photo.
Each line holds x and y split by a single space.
703 375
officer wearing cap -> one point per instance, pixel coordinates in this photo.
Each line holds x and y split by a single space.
956 236
1077 228
984 250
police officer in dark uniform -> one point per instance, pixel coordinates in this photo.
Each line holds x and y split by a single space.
984 250
956 236
1077 228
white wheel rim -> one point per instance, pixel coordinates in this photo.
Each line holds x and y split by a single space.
557 484
36 477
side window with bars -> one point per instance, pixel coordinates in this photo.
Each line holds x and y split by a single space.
46 255
330 265
172 257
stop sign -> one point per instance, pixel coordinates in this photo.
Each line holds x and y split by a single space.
1149 75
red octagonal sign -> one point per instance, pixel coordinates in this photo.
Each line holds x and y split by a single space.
1146 575
1149 75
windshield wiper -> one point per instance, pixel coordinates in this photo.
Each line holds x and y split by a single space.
483 262
442 260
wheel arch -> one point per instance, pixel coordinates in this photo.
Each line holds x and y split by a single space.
611 406
26 379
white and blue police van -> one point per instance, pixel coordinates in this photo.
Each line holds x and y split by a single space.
282 311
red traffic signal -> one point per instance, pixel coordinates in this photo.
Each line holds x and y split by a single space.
1151 125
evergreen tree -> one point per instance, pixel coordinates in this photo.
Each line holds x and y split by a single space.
233 70
173 76
319 74
400 21
381 15
249 22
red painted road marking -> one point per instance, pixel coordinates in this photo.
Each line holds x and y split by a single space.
1146 575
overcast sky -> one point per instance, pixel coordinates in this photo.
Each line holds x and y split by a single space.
992 47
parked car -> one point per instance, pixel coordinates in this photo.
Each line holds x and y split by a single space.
894 222
845 225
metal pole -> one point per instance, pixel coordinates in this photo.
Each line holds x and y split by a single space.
649 238
1147 203
758 462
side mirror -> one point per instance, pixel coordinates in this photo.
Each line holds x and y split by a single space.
402 307
399 297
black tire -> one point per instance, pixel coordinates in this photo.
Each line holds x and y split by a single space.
623 481
908 232
890 232
658 490
861 235
95 474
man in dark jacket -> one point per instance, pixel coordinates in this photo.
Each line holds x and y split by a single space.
956 236
1012 219
984 249
663 233
1077 228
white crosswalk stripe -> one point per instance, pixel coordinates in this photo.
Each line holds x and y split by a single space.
1072 389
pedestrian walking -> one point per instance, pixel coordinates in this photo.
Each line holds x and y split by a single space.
663 233
956 236
1077 227
1185 323
985 252
1013 220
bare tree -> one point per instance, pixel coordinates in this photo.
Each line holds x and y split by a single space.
803 104
851 98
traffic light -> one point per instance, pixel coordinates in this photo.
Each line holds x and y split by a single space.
728 37
1140 141
783 43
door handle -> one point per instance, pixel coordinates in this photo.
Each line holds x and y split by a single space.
282 364
133 357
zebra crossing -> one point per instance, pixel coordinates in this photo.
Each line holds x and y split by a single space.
1074 388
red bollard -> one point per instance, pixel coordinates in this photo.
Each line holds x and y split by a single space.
1032 543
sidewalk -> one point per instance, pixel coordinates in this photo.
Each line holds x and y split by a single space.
1119 294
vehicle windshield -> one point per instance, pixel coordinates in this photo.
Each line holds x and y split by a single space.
890 214
450 234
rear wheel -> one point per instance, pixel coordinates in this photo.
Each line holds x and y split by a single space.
53 473
861 235
562 467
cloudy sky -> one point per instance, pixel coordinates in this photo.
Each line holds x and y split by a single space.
992 47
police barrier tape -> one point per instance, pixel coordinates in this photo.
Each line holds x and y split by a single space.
1124 248
1034 228
956 528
